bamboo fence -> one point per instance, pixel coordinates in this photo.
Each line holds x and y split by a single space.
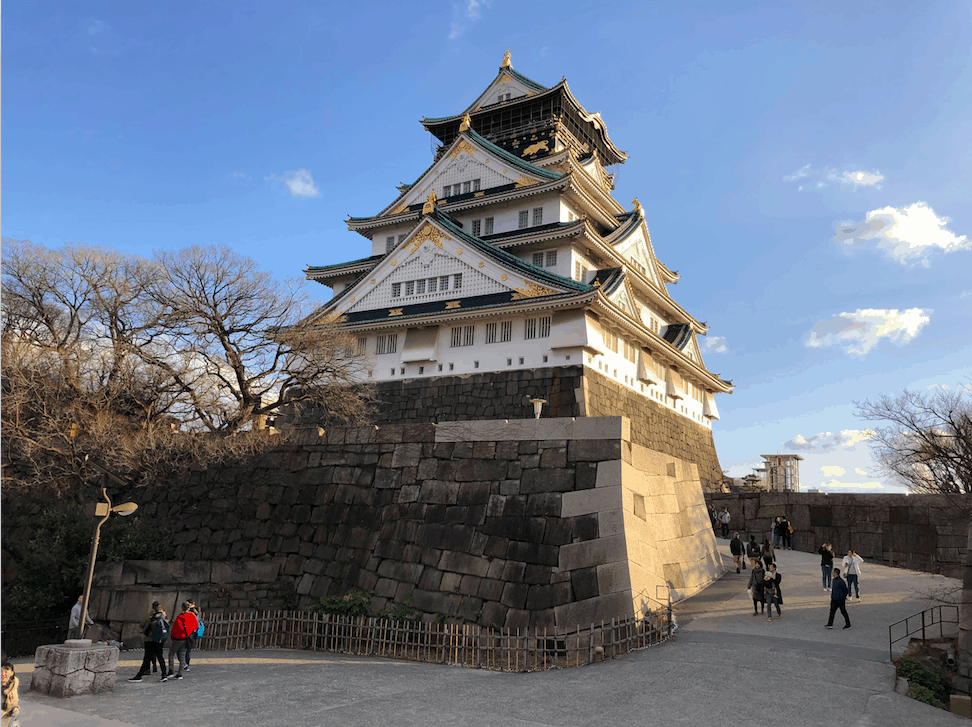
503 649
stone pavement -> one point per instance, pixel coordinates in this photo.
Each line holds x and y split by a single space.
724 668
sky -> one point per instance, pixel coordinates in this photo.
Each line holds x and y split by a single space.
804 166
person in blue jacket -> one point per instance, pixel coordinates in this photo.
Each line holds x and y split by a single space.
838 596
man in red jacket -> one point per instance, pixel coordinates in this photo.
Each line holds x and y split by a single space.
182 628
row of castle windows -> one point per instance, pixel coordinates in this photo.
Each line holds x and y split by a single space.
438 284
453 190
498 332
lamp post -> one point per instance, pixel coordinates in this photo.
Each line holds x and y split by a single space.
104 511
537 406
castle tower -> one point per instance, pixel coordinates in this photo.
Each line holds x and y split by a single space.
509 253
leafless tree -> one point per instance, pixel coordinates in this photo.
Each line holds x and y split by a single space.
148 366
927 446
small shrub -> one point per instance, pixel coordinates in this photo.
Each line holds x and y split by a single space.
924 694
923 680
399 612
354 603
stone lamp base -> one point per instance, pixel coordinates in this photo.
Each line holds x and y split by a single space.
73 668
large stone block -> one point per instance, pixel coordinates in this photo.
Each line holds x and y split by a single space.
586 502
74 668
592 552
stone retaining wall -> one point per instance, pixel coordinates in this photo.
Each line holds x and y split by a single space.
550 523
920 532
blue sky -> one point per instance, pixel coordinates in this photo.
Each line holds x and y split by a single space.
804 166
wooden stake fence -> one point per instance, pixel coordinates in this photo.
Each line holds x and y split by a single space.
502 649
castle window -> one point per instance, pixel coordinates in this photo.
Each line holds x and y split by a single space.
477 227
396 290
509 362
410 288
444 283
490 333
421 369
506 331
463 336
530 328
457 282
419 287
466 187
445 191
489 226
524 219
389 243
387 343
537 216
551 258
538 259
362 345
475 185
611 341
545 327
433 285
402 236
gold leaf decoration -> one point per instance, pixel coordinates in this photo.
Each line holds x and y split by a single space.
394 312
429 232
503 277
480 264
525 181
537 148
452 304
398 210
462 146
531 290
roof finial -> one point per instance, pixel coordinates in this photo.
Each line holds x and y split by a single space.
637 205
507 63
429 206
466 123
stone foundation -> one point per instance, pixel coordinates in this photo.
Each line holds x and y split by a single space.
73 668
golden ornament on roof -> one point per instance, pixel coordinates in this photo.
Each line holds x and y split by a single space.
637 205
466 123
429 206
507 63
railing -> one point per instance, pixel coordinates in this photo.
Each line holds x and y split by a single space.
22 638
922 622
504 649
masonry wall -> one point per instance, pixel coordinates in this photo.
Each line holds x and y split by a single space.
551 522
570 391
920 532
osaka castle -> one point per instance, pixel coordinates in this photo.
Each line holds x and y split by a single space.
510 254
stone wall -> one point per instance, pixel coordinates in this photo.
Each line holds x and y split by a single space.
920 532
550 522
570 391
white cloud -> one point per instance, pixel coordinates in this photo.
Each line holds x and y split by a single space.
825 441
716 344
859 471
472 8
832 471
904 233
834 484
97 26
464 14
798 174
299 183
860 331
863 179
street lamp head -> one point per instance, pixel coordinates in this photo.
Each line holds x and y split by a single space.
125 509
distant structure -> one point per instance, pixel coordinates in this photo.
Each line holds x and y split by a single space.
781 472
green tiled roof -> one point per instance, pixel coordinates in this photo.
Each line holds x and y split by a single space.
322 268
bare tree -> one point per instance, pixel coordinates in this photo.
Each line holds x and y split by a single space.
148 366
927 446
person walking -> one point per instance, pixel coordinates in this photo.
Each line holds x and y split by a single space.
724 518
777 579
786 530
826 565
153 649
756 588
74 623
769 594
776 532
852 568
197 635
769 556
714 518
738 550
838 595
183 628
752 550
10 714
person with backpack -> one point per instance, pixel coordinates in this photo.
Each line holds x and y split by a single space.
752 550
786 530
737 549
183 628
155 632
769 556
197 635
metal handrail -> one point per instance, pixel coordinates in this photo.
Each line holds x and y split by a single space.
928 620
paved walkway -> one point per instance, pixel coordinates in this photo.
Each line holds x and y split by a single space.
725 667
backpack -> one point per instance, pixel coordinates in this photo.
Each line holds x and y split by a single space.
160 631
752 549
201 629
